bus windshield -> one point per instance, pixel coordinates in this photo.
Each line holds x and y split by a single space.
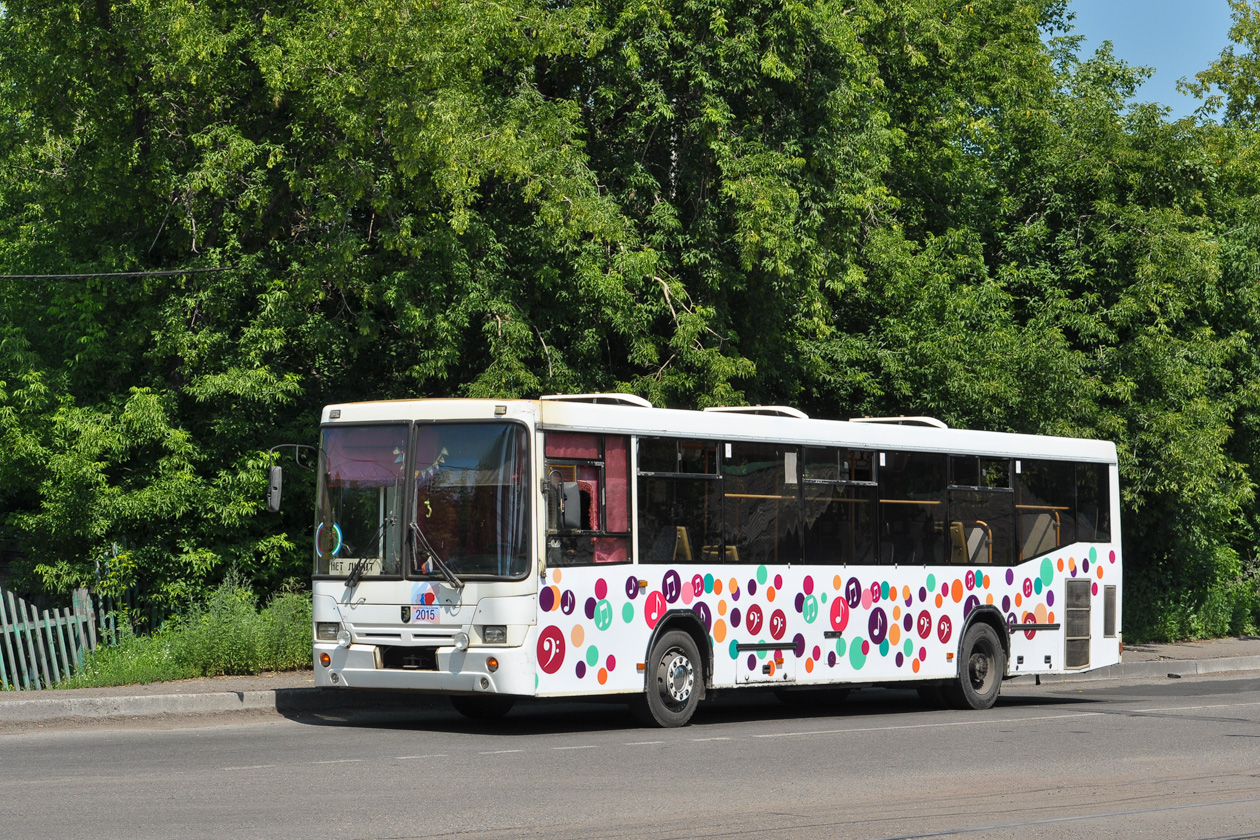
471 500
360 495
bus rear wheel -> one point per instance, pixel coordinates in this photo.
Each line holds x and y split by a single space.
674 683
980 669
482 706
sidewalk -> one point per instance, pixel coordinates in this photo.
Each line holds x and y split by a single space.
294 692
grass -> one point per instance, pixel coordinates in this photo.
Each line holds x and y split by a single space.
226 635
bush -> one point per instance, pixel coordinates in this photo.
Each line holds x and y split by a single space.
227 635
1165 609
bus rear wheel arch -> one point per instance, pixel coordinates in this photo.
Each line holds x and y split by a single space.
674 681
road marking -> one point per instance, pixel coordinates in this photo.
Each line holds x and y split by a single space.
253 767
583 747
642 743
500 752
430 755
341 761
711 739
1196 708
977 722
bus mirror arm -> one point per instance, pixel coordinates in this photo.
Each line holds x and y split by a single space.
275 475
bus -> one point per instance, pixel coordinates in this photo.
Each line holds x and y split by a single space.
597 546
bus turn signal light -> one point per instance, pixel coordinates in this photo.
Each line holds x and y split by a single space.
325 660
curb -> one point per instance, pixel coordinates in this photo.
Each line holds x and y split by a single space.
285 701
1151 669
60 708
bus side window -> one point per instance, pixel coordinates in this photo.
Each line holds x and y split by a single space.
1045 506
911 508
587 498
761 505
981 510
840 501
680 503
1093 503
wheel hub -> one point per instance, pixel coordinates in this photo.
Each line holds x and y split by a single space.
979 667
680 677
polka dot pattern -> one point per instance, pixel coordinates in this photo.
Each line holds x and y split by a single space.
807 624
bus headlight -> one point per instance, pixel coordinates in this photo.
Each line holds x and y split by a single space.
494 634
326 631
343 639
461 640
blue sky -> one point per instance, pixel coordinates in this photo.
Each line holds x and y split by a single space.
1176 37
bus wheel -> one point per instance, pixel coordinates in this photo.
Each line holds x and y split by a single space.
482 706
674 684
979 670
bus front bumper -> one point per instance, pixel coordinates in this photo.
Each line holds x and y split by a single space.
458 671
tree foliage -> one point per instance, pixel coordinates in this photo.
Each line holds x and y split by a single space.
894 207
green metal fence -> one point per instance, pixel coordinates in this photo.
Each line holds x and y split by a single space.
40 647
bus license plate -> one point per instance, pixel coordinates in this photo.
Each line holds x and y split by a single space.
425 614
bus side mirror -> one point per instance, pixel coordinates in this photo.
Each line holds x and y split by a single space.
275 477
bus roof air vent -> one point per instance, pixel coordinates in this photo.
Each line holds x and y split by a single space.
601 399
902 421
766 410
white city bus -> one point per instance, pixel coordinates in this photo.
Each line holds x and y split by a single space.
594 545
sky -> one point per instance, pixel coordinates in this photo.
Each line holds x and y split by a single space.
1176 37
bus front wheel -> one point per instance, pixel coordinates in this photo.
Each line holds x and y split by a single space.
674 683
980 669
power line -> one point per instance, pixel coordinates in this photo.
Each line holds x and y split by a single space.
164 273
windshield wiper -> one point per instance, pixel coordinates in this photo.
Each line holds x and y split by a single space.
450 576
356 573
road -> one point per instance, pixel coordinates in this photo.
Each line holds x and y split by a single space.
1168 759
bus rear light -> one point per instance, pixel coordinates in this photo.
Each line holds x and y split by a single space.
492 664
325 660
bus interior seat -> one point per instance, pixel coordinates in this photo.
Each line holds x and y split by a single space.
709 553
682 546
979 543
957 543
970 543
1041 533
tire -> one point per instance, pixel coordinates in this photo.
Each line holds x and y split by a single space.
674 682
980 669
482 706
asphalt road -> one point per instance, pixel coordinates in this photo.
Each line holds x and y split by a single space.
1162 759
